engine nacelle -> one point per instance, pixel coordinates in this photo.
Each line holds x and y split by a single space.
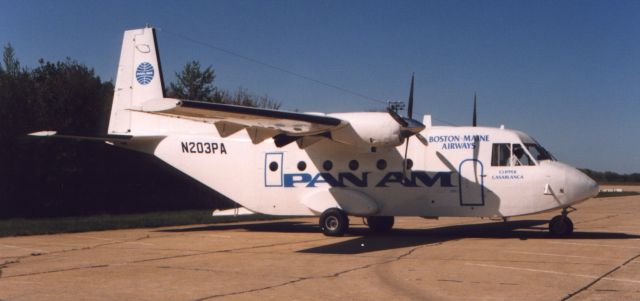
371 128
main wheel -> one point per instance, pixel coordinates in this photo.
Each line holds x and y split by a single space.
334 222
561 225
380 224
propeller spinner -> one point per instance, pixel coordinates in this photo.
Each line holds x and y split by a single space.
409 126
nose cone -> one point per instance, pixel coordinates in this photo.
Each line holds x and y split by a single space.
580 186
594 189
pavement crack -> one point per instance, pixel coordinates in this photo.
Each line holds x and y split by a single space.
4 264
191 269
226 250
528 261
60 270
115 242
300 279
17 260
590 284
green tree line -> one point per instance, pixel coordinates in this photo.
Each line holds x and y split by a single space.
51 177
193 83
609 177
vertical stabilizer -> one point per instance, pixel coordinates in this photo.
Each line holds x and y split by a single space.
139 77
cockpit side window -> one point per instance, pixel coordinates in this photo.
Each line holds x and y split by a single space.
500 154
520 157
506 154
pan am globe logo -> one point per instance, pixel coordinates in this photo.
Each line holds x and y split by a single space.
144 73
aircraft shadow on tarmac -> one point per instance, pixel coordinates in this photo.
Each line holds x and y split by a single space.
363 241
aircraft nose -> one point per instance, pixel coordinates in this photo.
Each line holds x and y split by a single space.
581 186
594 188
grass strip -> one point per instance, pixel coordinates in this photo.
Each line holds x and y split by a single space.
21 226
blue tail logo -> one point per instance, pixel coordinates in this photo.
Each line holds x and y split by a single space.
144 73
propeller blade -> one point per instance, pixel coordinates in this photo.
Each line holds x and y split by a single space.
409 125
404 161
474 110
397 117
476 150
446 162
410 108
422 139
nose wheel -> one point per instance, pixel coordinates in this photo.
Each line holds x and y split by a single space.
561 225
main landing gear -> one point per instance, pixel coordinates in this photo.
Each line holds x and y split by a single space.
379 224
561 225
335 222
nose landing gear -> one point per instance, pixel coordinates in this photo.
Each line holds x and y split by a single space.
561 225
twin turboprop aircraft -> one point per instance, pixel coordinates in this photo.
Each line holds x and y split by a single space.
375 165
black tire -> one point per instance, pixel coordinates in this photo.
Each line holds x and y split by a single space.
334 222
561 226
380 224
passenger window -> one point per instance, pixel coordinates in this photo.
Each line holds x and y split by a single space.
353 164
520 157
500 154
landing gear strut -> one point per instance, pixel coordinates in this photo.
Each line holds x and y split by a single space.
561 225
334 222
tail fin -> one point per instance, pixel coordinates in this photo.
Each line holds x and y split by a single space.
139 77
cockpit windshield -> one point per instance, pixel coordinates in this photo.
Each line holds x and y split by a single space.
539 152
536 150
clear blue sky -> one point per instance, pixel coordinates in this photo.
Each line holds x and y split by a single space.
566 72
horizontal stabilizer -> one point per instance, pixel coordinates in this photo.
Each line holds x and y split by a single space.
233 212
54 134
142 143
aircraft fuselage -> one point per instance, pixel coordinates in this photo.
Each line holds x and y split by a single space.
451 176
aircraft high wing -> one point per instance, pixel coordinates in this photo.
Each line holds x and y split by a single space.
388 129
261 124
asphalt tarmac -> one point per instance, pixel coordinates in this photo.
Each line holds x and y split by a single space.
446 259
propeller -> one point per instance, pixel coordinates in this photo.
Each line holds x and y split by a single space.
475 123
409 127
476 149
410 108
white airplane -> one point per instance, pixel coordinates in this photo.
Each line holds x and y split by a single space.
375 165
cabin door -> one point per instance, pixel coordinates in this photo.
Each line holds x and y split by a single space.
471 183
273 169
